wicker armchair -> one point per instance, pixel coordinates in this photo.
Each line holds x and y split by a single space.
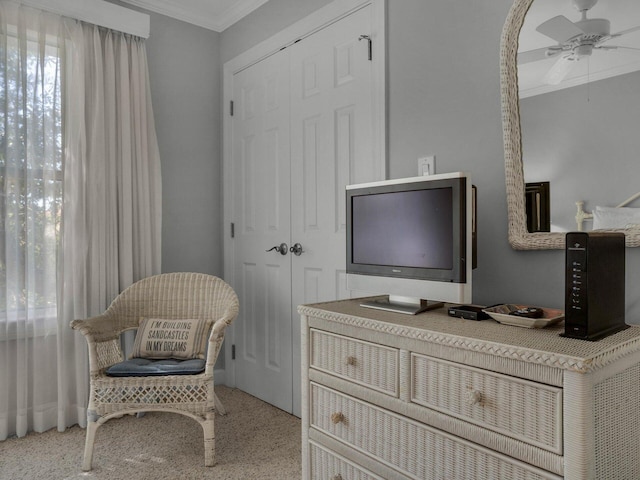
166 296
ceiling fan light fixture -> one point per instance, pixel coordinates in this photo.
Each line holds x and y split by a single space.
584 5
583 51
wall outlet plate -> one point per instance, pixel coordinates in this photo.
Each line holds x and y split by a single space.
427 165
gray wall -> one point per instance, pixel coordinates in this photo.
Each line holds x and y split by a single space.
263 23
584 140
186 74
444 99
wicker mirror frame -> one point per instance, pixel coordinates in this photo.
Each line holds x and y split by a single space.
519 236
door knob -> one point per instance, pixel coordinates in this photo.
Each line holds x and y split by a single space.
296 249
282 249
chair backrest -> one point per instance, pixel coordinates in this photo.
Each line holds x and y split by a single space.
175 295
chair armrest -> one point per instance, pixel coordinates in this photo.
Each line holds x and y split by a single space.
223 322
99 328
102 333
217 333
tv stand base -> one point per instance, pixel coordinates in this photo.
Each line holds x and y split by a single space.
406 305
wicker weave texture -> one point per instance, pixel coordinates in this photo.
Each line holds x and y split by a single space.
181 295
368 364
413 448
193 395
527 411
544 347
617 423
483 412
329 466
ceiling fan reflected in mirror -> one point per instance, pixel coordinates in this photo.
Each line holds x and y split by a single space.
576 41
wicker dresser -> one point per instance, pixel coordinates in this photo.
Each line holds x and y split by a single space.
386 395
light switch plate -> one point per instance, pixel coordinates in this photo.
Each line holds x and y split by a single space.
427 165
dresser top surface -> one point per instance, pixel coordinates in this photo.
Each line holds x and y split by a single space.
539 345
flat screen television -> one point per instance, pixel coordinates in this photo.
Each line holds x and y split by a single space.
411 239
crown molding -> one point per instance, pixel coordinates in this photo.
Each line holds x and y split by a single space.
97 12
198 14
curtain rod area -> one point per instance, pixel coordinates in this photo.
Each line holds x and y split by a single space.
98 12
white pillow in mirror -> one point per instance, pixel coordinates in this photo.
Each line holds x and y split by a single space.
611 217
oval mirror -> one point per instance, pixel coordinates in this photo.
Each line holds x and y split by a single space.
570 87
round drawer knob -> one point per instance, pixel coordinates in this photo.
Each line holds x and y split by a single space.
474 397
337 417
352 361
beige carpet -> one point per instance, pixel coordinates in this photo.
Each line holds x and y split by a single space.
253 441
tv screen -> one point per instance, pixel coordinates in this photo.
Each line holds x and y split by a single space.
406 229
411 238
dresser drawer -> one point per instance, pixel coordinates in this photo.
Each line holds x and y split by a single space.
521 409
416 450
327 465
374 366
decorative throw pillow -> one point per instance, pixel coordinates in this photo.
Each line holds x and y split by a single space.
611 217
171 338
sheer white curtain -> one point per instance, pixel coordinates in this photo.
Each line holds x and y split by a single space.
112 207
80 203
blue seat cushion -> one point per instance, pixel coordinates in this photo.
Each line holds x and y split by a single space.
144 367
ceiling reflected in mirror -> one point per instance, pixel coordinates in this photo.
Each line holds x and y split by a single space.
565 43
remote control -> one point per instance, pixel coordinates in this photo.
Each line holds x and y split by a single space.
529 312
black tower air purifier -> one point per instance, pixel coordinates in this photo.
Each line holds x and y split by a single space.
594 284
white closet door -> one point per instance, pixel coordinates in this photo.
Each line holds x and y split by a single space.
261 206
302 130
331 146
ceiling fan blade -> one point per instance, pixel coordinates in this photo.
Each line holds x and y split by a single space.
560 29
617 34
616 47
624 32
560 70
534 55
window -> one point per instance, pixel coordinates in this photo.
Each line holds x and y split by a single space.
31 143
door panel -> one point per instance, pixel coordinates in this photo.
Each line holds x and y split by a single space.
303 131
331 146
261 181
